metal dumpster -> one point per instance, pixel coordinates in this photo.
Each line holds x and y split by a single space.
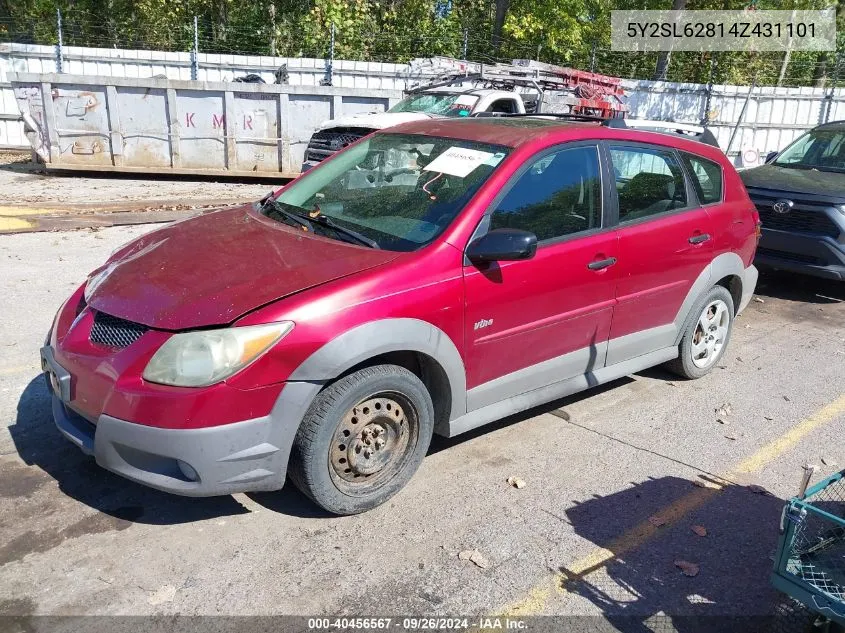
181 127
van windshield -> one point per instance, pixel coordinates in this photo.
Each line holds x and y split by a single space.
442 103
398 190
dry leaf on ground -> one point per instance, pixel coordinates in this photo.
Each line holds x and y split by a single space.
724 411
689 569
516 482
474 556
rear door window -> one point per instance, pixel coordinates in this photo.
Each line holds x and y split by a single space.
649 181
706 178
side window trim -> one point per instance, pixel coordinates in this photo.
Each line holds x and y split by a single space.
692 197
484 223
691 175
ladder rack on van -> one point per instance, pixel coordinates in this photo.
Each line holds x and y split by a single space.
588 93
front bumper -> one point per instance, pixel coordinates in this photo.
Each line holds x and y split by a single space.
819 256
239 457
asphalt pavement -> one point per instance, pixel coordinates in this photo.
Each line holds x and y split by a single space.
616 480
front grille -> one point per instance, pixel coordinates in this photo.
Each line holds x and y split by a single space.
798 221
114 332
324 144
792 257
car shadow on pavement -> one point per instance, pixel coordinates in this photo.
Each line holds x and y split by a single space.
682 557
799 288
40 444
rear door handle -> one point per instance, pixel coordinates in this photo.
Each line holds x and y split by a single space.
602 263
698 239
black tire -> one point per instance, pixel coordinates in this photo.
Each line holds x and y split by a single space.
319 444
685 365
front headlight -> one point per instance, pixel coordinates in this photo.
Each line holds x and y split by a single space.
199 359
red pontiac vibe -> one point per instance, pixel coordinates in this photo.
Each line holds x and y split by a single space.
431 278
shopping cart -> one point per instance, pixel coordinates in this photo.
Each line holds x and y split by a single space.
810 559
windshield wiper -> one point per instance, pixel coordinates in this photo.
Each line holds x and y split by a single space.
808 167
308 222
296 218
325 220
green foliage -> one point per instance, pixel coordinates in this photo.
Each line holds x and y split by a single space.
568 32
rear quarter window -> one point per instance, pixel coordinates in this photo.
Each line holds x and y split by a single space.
706 178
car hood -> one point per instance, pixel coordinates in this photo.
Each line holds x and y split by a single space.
214 268
826 184
376 120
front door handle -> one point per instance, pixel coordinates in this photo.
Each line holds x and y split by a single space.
602 263
698 239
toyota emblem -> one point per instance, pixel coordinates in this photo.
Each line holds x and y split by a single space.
782 206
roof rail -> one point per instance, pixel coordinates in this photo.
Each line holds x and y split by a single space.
557 115
684 130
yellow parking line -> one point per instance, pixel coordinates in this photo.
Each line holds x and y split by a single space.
14 224
6 211
538 597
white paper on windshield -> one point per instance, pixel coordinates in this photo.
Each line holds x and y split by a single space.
458 161
495 159
466 99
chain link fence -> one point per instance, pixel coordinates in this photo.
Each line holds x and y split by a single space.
267 36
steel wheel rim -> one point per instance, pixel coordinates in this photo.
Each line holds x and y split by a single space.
372 442
711 332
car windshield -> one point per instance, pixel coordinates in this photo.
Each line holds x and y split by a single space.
443 103
396 191
817 149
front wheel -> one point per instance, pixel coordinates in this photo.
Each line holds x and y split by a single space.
362 439
706 334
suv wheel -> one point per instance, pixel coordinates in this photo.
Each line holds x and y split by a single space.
362 439
706 334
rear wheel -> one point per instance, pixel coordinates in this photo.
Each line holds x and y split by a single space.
706 334
362 439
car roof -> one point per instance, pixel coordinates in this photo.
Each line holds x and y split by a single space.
832 125
516 132
510 132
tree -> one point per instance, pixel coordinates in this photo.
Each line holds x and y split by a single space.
662 67
499 23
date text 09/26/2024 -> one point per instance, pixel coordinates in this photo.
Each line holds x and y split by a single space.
416 624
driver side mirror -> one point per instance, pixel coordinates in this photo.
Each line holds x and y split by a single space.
770 157
502 245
